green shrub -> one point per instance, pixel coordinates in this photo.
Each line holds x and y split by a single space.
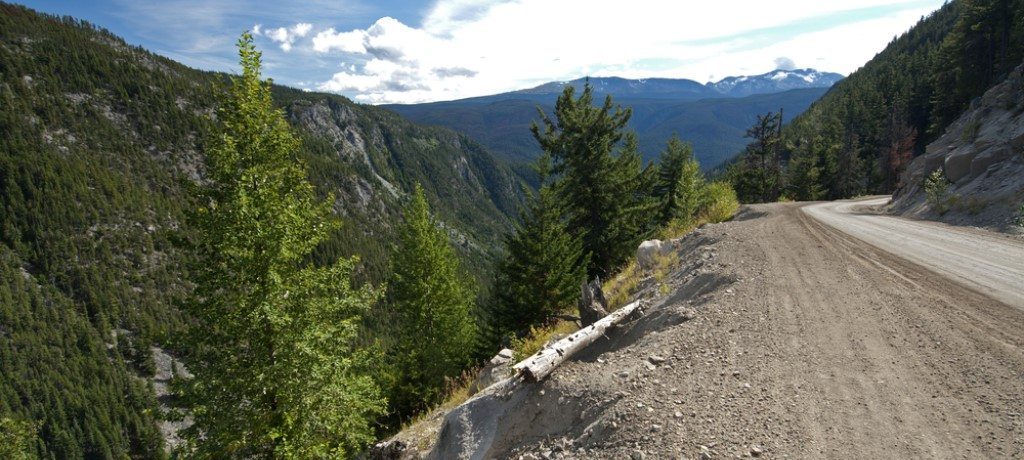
720 203
936 189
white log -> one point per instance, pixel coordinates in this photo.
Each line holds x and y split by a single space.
538 366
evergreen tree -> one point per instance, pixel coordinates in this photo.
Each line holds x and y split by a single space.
679 183
276 371
599 178
430 300
757 176
543 267
803 175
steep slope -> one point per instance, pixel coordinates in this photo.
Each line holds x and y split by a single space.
715 125
981 156
861 134
100 143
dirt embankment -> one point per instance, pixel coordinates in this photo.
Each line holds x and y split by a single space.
785 338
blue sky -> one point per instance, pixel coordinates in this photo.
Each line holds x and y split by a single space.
409 51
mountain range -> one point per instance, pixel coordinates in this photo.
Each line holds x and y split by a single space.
712 116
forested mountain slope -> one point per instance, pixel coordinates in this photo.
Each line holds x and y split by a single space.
861 134
712 122
100 145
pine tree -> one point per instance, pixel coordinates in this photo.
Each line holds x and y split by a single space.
430 300
599 178
757 176
276 370
543 267
679 182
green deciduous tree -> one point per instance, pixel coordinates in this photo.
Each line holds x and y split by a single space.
543 267
430 301
276 370
599 177
679 184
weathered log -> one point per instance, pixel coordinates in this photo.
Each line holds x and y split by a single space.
538 366
592 304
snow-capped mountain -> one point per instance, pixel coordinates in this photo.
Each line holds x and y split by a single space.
774 82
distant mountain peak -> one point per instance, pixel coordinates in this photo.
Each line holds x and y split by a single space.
776 81
773 82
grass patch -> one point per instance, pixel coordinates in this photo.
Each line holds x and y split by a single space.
526 346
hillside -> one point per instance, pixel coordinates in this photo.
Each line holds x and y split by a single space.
100 145
715 124
861 134
978 165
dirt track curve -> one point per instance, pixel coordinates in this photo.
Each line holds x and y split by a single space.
806 342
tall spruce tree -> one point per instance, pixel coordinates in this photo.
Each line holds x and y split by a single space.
757 176
430 300
543 267
599 178
277 374
679 182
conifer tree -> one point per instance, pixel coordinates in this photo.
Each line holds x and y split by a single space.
679 182
599 178
430 300
543 267
276 371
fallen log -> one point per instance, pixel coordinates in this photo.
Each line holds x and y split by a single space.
538 366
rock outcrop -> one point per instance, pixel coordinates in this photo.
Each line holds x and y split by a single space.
982 156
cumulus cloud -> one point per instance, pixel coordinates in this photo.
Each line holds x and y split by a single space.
284 36
784 63
467 48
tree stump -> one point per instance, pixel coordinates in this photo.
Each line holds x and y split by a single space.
592 304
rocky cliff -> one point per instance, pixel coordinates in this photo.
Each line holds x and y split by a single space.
981 159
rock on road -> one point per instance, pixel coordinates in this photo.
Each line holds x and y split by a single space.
801 331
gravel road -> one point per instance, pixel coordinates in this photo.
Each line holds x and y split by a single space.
989 262
784 337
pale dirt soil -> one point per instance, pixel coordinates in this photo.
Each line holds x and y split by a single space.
806 343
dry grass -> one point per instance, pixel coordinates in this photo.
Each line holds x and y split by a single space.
532 343
722 206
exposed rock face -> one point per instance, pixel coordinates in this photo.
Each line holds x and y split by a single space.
982 156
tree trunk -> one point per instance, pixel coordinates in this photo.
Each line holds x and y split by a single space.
538 366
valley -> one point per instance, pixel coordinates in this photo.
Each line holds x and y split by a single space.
199 262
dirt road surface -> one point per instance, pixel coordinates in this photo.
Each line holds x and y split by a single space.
783 336
989 262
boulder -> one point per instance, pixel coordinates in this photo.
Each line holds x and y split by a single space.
646 254
958 164
497 369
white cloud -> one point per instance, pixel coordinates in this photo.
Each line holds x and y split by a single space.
784 63
285 37
467 48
